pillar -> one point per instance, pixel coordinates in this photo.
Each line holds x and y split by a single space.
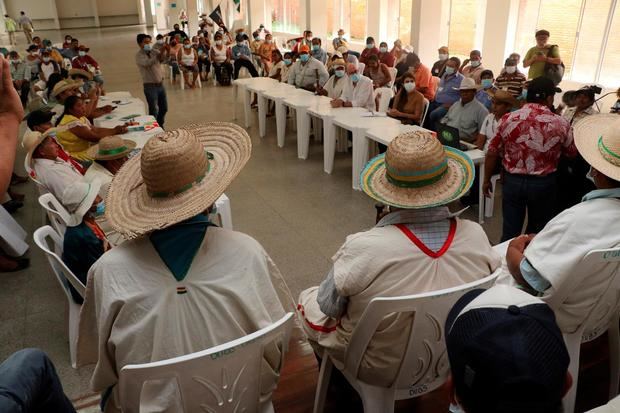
148 12
500 25
428 28
317 19
192 15
259 12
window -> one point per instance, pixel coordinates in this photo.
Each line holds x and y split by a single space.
463 32
285 16
357 18
582 29
404 21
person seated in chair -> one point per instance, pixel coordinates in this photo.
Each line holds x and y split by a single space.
179 284
551 263
467 114
109 155
447 93
242 57
336 83
489 372
307 72
357 92
378 72
408 106
420 246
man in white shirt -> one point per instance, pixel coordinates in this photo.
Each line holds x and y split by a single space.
307 72
467 114
502 102
359 92
336 84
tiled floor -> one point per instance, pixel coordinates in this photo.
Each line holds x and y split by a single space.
298 213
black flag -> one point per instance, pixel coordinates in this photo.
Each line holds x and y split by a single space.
216 16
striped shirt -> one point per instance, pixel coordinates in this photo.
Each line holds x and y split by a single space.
512 83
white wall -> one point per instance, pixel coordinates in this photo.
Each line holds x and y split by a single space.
42 12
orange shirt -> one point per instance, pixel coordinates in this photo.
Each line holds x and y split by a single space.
265 50
424 79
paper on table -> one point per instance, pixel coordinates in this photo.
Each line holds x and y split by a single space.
374 115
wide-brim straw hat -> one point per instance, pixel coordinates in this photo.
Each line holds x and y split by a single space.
78 199
65 85
467 84
81 72
598 140
176 176
111 147
503 96
417 171
32 140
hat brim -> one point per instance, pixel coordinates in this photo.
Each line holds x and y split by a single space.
81 72
587 132
454 184
509 100
65 88
78 215
133 212
93 151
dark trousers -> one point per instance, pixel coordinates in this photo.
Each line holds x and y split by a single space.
29 383
223 72
157 101
239 63
24 91
204 64
435 113
534 194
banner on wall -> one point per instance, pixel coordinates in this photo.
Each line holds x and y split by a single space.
229 11
216 16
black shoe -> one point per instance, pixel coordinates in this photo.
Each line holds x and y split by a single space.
9 264
12 205
16 179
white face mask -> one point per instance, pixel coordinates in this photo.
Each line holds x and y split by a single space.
218 42
443 56
33 53
160 41
409 86
511 69
46 59
475 63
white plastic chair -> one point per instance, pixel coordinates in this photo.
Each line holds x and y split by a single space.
603 316
224 213
191 74
424 366
424 111
489 202
56 212
360 68
393 72
43 237
384 94
224 378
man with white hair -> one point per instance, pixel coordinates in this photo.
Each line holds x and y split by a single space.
359 92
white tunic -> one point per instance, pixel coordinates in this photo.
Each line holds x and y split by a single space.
56 175
361 94
334 89
133 312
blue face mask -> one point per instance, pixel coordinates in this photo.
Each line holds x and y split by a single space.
369 45
316 47
287 62
100 209
148 47
449 70
487 83
339 73
187 46
524 94
304 57
355 77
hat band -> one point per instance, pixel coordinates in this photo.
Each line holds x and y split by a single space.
114 151
180 190
417 179
609 155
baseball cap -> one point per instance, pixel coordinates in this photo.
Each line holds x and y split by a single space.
38 117
506 352
540 88
304 48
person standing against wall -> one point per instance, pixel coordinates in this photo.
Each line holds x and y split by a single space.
11 26
149 64
26 24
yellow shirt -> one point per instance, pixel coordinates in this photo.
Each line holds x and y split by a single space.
76 146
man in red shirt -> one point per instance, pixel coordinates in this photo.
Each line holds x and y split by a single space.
530 142
370 49
386 56
85 62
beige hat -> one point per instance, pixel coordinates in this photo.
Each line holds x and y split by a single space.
81 72
78 199
503 96
342 49
111 147
32 140
65 85
176 176
467 84
417 171
598 140
338 62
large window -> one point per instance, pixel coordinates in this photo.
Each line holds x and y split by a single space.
586 32
357 17
285 16
404 21
464 34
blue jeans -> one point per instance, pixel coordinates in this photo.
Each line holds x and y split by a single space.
29 383
157 101
435 113
536 194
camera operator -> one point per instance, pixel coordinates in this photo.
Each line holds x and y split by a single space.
584 101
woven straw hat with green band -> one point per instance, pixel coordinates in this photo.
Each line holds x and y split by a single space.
111 147
417 171
176 176
597 138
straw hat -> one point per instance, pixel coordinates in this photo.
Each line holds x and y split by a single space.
338 62
32 140
598 140
176 176
64 85
78 199
503 96
342 49
417 171
111 147
81 72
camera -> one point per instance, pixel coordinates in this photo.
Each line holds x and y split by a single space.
596 89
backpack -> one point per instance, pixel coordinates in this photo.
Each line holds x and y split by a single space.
554 72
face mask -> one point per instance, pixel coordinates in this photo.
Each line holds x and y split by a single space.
443 56
340 37
268 41
68 40
369 45
100 209
316 47
409 86
46 59
49 49
187 46
148 47
15 61
486 83
383 50
160 41
33 53
449 70
287 62
242 33
339 73
589 175
82 53
218 42
239 44
355 77
304 57
256 37
511 69
475 63
309 38
524 94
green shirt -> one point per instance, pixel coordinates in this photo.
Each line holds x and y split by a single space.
537 69
10 24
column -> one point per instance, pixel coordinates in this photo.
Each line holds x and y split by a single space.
93 5
429 28
259 12
317 19
148 12
377 20
192 15
500 25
